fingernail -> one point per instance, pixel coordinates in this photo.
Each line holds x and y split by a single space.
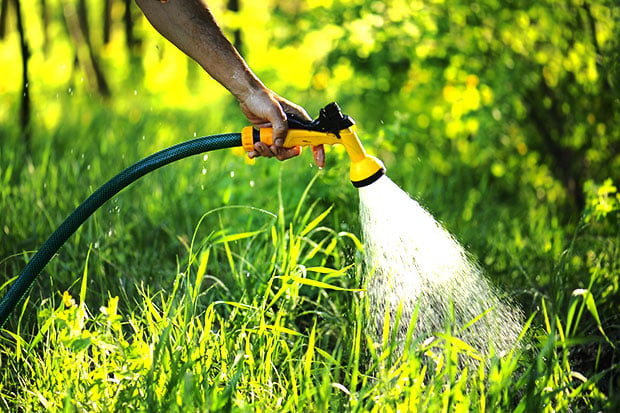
279 142
320 161
251 155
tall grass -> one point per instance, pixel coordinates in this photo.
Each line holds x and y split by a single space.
273 318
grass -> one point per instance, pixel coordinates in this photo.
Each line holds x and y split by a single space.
240 291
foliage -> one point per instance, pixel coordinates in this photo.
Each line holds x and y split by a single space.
500 117
602 200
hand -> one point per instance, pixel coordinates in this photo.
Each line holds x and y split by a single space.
264 109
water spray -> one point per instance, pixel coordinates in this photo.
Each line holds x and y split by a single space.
331 127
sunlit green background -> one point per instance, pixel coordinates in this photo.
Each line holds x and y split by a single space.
500 117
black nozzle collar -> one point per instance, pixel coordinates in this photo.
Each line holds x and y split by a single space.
330 120
370 180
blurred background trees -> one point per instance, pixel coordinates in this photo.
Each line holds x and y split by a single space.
503 85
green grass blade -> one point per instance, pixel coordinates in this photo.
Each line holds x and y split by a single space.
315 222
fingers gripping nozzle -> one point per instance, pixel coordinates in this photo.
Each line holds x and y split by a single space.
330 127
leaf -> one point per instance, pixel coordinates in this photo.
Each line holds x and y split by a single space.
236 237
332 273
310 351
42 331
327 356
460 345
202 268
80 344
280 329
546 316
235 304
591 306
316 221
354 238
84 279
274 236
320 284
475 319
304 195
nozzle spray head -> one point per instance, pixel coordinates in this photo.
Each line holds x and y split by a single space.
332 128
366 171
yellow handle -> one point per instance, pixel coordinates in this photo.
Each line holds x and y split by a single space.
302 137
294 137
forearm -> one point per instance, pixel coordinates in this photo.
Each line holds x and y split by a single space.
190 26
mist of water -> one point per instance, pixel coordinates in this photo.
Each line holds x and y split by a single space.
411 259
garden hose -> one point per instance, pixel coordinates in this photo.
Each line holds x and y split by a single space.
331 127
98 198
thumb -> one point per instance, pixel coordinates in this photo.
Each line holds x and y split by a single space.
280 126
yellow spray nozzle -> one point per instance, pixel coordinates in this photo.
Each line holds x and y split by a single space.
331 128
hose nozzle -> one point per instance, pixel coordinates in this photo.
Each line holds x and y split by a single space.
332 128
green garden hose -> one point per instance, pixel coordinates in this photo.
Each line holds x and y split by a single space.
331 127
98 198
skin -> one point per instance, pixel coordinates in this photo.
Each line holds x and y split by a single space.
190 25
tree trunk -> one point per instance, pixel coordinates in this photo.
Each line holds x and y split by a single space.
45 21
4 10
129 39
77 25
107 21
233 5
564 161
25 100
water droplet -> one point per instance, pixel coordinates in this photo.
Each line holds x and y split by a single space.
135 92
252 184
143 137
96 245
88 167
204 171
82 156
232 174
202 187
194 134
204 158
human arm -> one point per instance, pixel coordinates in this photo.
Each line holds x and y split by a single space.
190 25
